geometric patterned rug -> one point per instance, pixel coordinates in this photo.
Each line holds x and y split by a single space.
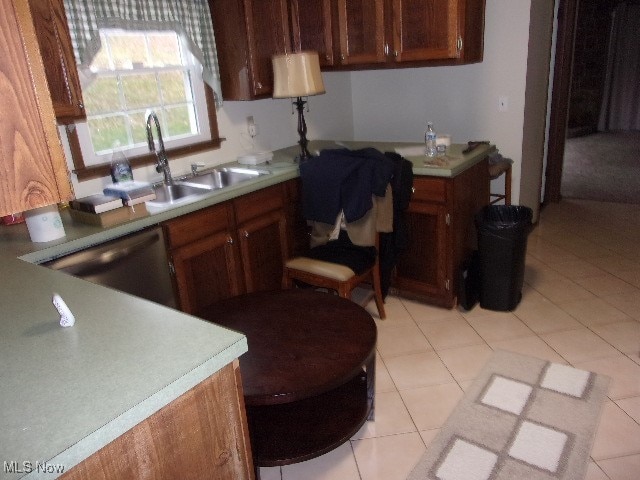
523 418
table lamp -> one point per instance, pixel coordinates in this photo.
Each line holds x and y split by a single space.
297 75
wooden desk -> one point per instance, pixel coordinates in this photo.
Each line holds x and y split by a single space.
309 374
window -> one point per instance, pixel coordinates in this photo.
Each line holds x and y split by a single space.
136 72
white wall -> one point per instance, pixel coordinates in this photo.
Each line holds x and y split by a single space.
463 100
330 116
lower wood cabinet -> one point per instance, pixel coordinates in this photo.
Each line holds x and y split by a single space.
235 247
203 434
442 234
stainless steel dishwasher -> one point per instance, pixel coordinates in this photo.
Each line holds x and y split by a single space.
135 264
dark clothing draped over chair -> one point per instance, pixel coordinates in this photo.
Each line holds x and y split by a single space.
343 180
393 243
346 180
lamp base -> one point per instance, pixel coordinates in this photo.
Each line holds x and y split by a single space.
302 131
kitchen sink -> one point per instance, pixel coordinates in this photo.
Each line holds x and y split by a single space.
191 189
177 193
222 177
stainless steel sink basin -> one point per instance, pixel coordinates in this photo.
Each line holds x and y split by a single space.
177 193
222 177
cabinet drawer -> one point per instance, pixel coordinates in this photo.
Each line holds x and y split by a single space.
430 189
258 203
196 225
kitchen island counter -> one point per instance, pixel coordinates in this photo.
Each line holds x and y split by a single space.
67 392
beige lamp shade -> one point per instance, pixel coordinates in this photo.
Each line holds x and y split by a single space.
297 75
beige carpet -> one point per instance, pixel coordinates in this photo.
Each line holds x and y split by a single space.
603 167
523 418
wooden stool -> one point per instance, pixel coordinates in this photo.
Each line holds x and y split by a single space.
495 171
333 276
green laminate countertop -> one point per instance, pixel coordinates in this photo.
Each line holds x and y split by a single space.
67 392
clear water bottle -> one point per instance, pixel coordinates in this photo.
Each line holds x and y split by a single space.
120 167
430 147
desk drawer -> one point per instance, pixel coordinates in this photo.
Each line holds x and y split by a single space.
429 189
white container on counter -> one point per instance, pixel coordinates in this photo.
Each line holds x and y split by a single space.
44 224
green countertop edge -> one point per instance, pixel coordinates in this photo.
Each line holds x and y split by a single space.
16 243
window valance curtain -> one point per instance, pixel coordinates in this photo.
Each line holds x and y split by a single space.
189 18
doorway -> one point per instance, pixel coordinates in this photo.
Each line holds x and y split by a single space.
577 90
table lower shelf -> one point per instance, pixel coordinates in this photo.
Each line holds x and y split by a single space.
298 431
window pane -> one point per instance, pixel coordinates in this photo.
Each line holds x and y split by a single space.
139 127
164 49
179 120
101 60
128 49
172 86
140 90
102 96
106 132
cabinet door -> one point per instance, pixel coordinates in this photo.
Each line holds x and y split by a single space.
206 271
263 246
422 268
268 33
311 25
60 68
33 169
425 29
205 257
361 26
248 33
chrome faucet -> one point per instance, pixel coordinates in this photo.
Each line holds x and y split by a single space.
162 164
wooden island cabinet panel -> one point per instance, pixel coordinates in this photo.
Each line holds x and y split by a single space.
203 434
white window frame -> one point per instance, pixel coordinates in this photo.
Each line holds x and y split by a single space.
194 70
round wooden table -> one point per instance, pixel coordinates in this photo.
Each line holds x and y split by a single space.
309 374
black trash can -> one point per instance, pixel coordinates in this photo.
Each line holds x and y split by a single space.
502 247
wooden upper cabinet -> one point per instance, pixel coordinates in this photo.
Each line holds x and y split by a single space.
312 27
425 29
386 33
59 62
248 33
33 170
361 25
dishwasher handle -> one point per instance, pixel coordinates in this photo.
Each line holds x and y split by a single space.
86 261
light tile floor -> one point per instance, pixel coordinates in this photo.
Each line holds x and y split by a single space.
581 306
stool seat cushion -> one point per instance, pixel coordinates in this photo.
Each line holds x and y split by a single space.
498 168
318 267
